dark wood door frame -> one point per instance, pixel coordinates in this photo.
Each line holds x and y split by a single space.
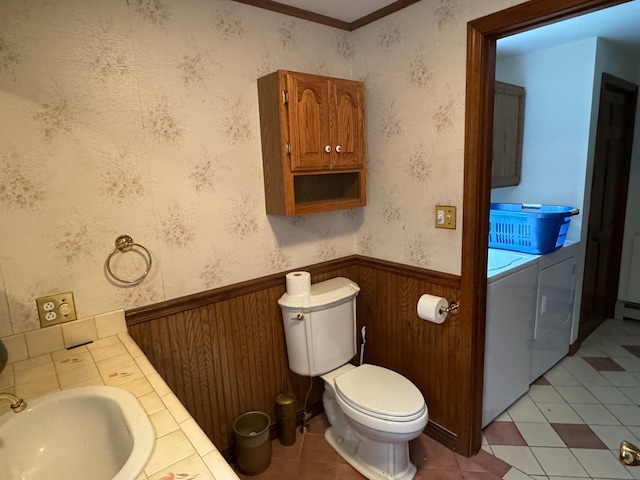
482 35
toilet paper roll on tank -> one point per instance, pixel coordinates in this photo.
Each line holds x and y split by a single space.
298 283
432 308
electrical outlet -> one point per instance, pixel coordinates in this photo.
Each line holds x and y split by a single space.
55 309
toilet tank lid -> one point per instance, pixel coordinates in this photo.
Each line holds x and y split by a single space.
322 294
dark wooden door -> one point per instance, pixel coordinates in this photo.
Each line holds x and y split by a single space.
608 202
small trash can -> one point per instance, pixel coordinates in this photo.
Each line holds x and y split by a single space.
253 447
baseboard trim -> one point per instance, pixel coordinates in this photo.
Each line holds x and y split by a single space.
441 435
574 347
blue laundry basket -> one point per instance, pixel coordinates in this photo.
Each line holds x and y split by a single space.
528 228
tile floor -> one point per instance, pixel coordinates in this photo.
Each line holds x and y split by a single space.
569 426
571 422
312 458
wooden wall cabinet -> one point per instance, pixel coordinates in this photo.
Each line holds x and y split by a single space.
508 123
312 131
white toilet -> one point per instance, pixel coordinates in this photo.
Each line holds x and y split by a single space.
373 411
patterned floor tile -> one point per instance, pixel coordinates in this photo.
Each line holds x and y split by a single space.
613 395
601 464
622 379
575 394
504 433
627 414
576 364
491 463
590 351
630 364
540 435
559 413
541 381
525 410
612 435
515 474
596 415
545 393
559 376
603 364
578 436
559 461
634 349
591 379
521 458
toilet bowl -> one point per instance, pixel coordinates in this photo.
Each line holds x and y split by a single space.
374 412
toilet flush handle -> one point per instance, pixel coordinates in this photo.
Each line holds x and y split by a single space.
299 316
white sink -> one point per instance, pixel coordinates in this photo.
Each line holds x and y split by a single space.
97 433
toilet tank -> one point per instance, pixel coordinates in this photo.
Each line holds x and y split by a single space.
320 328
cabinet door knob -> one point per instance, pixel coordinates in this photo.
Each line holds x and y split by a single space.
327 149
338 148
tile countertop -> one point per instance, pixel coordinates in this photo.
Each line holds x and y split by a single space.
182 450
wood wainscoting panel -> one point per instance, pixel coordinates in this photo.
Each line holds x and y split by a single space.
426 353
223 352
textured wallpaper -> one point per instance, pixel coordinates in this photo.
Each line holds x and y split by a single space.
414 66
141 117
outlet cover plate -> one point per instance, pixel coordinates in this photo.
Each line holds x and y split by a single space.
55 309
446 216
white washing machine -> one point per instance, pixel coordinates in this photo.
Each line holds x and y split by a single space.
511 311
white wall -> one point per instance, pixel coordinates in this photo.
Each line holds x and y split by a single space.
558 85
141 117
413 64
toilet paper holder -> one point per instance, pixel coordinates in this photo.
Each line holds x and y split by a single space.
453 308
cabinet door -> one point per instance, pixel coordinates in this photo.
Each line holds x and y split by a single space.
308 122
347 124
555 298
552 334
508 123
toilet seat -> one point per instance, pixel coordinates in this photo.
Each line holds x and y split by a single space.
381 393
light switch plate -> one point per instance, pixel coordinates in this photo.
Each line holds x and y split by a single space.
446 217
55 309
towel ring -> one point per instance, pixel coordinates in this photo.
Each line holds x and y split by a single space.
124 243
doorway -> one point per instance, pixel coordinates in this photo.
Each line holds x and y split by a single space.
614 140
481 62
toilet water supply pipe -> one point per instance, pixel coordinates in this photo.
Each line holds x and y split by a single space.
363 332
